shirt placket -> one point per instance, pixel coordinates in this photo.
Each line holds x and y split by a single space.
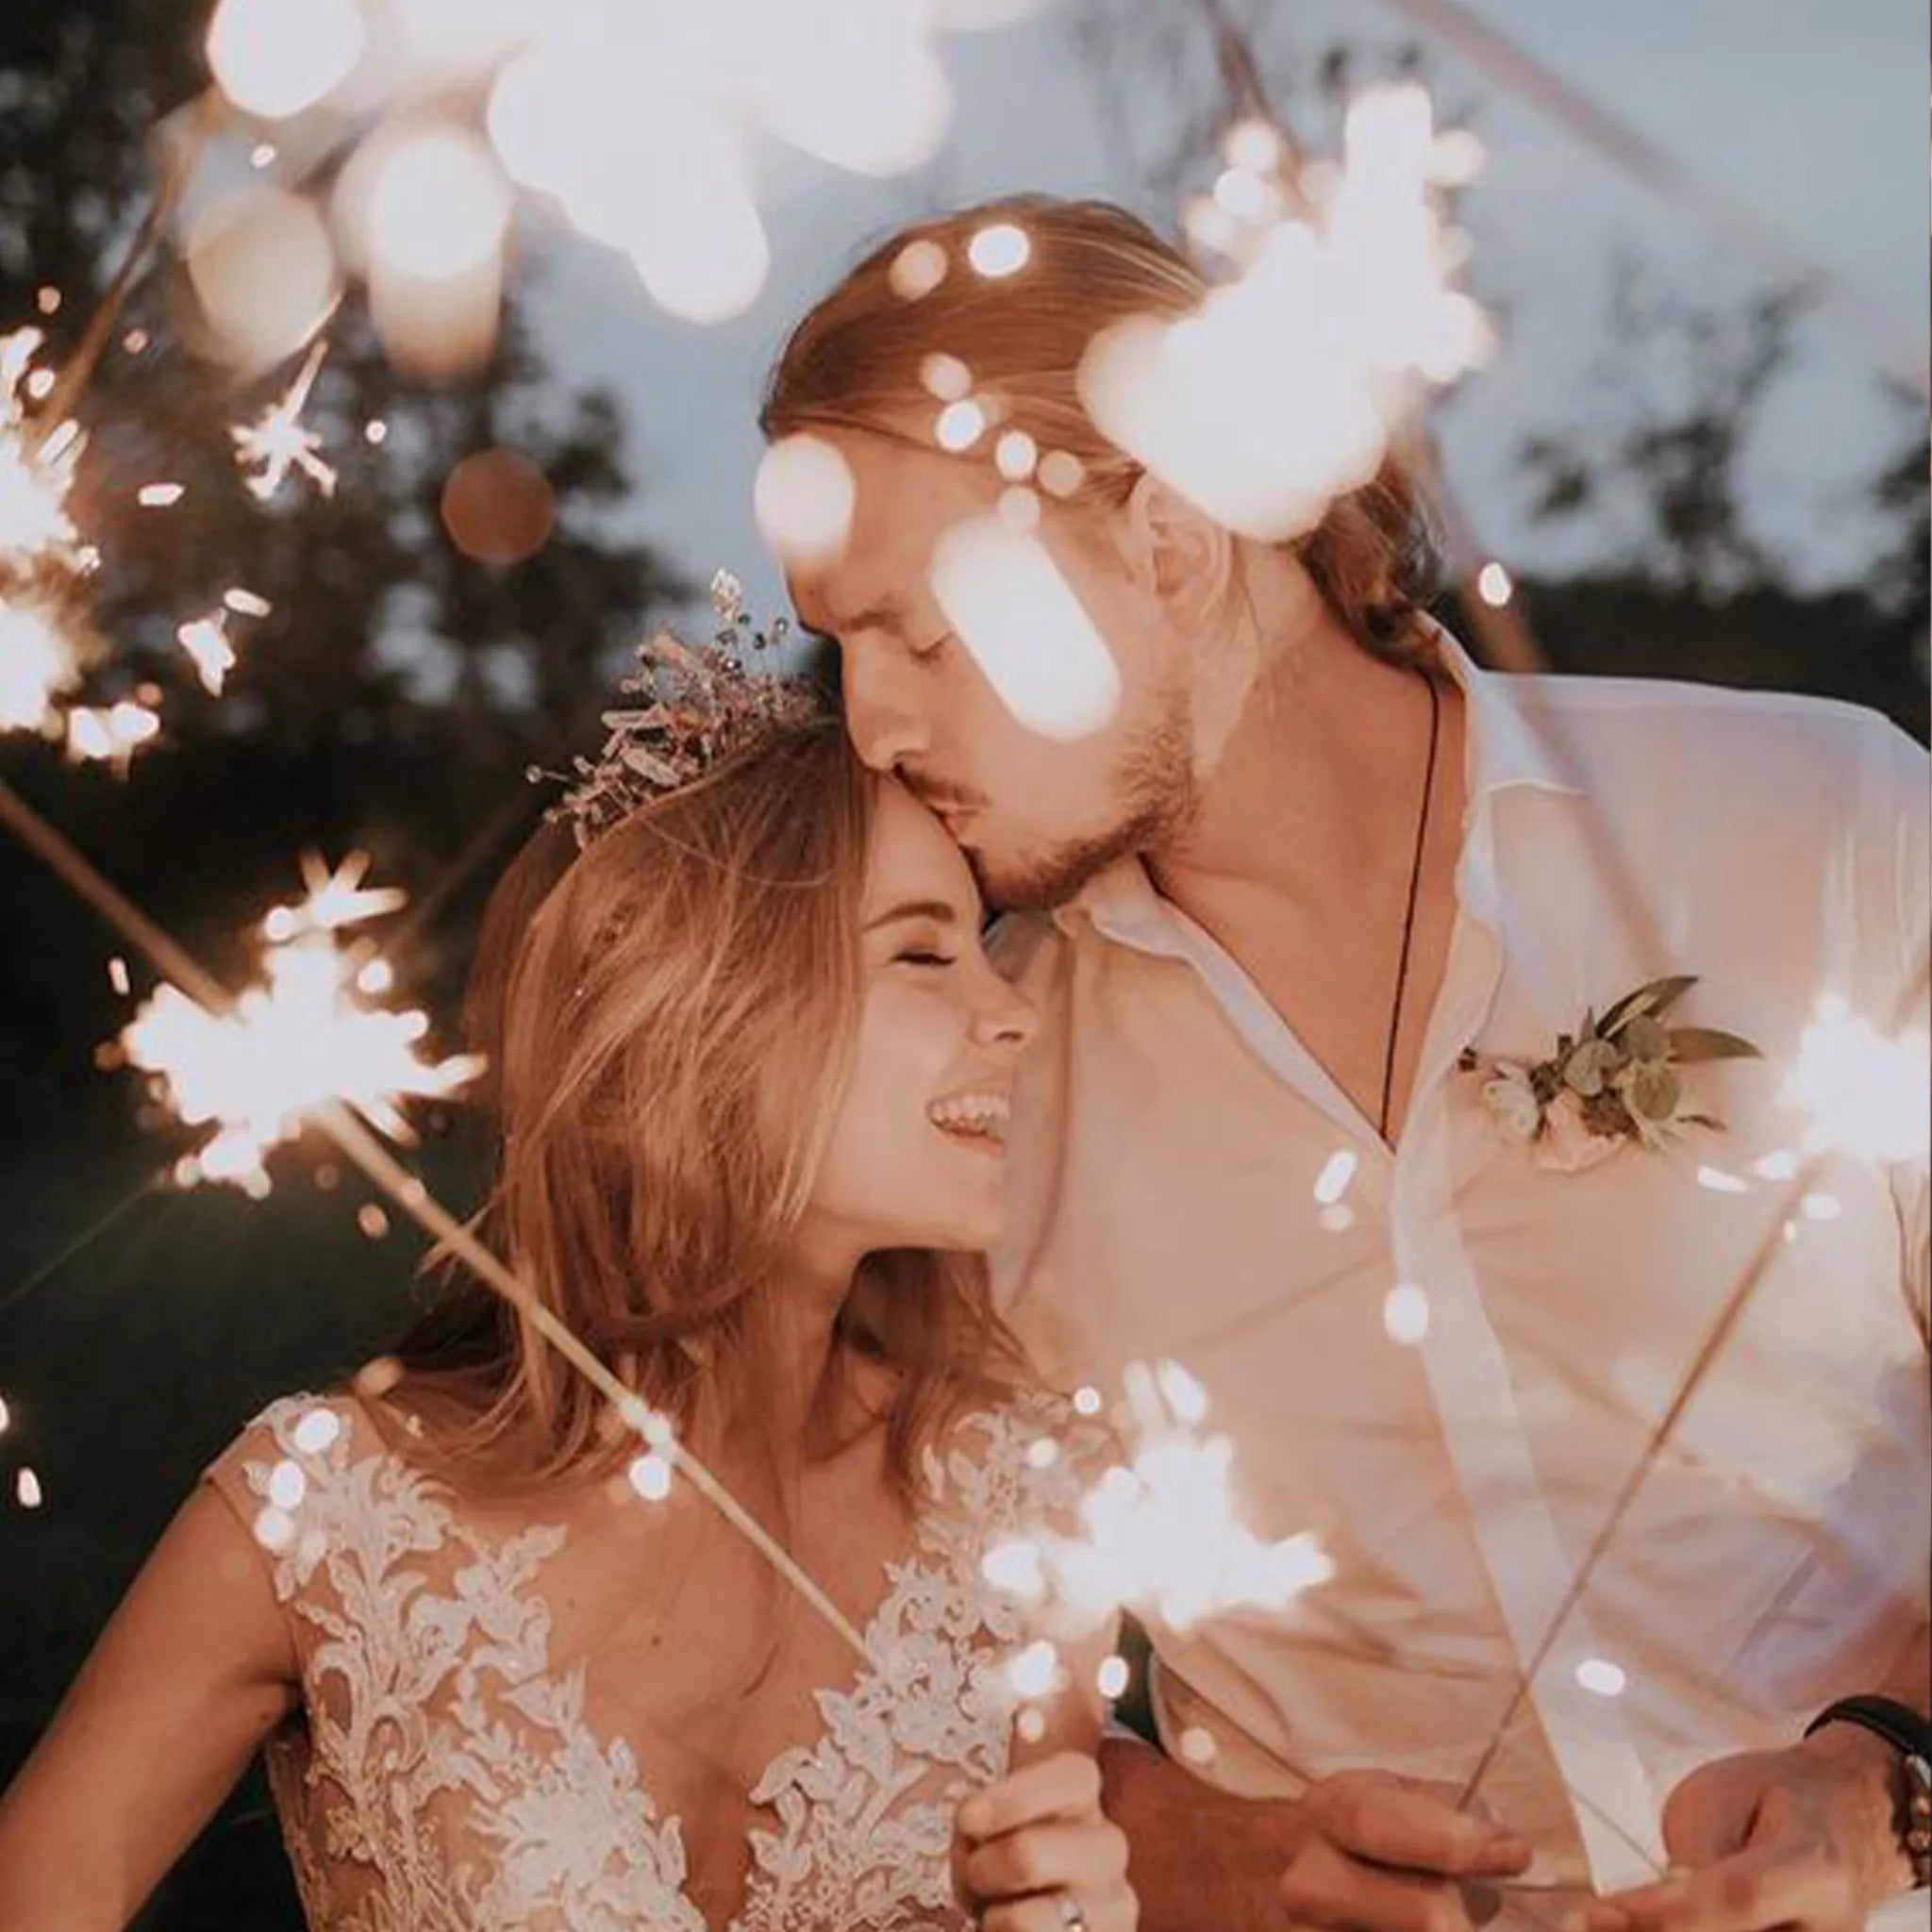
1471 1382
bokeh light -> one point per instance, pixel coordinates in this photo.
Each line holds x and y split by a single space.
440 205
1000 249
498 506
274 58
1004 597
803 497
264 270
960 425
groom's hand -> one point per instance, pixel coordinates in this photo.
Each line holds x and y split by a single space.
1802 1837
1377 1853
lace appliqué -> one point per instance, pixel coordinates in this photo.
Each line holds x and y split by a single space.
448 1778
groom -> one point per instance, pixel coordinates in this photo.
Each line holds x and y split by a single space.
1300 917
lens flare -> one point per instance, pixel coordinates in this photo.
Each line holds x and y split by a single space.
1007 600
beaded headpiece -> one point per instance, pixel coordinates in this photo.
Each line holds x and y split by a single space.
695 708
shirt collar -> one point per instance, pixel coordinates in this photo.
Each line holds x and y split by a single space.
1507 742
1506 747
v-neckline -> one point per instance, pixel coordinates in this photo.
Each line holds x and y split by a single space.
925 1561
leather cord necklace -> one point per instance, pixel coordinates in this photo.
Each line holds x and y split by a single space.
1415 882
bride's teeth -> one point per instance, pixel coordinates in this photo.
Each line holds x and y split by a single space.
969 1113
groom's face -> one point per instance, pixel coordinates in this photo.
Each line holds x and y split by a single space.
1037 816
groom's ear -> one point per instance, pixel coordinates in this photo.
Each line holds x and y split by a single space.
1176 551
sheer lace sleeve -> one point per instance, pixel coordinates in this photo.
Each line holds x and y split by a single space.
442 1775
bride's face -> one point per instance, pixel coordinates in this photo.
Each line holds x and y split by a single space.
916 1156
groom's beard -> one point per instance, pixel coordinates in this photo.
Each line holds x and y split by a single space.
1158 798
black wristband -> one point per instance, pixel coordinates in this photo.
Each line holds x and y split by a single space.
1899 1725
1910 1736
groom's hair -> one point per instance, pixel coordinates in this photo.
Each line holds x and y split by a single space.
859 360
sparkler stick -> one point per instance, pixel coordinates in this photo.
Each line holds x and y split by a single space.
1240 74
1719 1332
149 1190
407 1191
78 371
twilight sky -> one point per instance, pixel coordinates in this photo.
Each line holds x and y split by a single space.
1814 112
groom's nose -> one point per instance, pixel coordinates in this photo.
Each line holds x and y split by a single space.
887 728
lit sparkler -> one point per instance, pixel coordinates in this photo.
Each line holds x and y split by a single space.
304 1039
36 471
37 664
40 550
1159 1534
1865 1093
278 442
1281 391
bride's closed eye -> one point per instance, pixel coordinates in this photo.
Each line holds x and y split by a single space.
926 956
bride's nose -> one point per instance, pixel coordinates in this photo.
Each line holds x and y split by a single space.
1005 1018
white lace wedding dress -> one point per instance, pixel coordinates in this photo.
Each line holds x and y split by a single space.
443 1771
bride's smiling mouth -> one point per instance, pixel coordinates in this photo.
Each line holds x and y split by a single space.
976 1117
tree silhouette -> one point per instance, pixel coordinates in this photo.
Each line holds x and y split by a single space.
1677 456
376 612
398 687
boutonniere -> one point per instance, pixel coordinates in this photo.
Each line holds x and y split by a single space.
1617 1078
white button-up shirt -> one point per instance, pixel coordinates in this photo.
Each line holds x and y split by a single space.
1190 1183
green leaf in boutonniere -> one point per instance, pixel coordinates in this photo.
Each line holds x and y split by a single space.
1653 1091
1588 1069
1690 1045
1615 1079
1655 999
1644 1038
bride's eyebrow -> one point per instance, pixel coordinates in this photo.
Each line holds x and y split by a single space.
935 910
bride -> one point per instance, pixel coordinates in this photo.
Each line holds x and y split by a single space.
752 1076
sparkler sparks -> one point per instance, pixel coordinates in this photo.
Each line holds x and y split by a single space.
304 1039
206 641
1865 1093
42 553
37 664
112 735
36 473
278 442
1282 389
1159 1534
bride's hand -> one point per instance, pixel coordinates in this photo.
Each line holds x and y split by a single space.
1035 1853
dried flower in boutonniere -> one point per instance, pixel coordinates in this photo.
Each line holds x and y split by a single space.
1617 1078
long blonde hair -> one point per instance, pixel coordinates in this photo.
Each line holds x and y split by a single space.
856 357
671 1016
